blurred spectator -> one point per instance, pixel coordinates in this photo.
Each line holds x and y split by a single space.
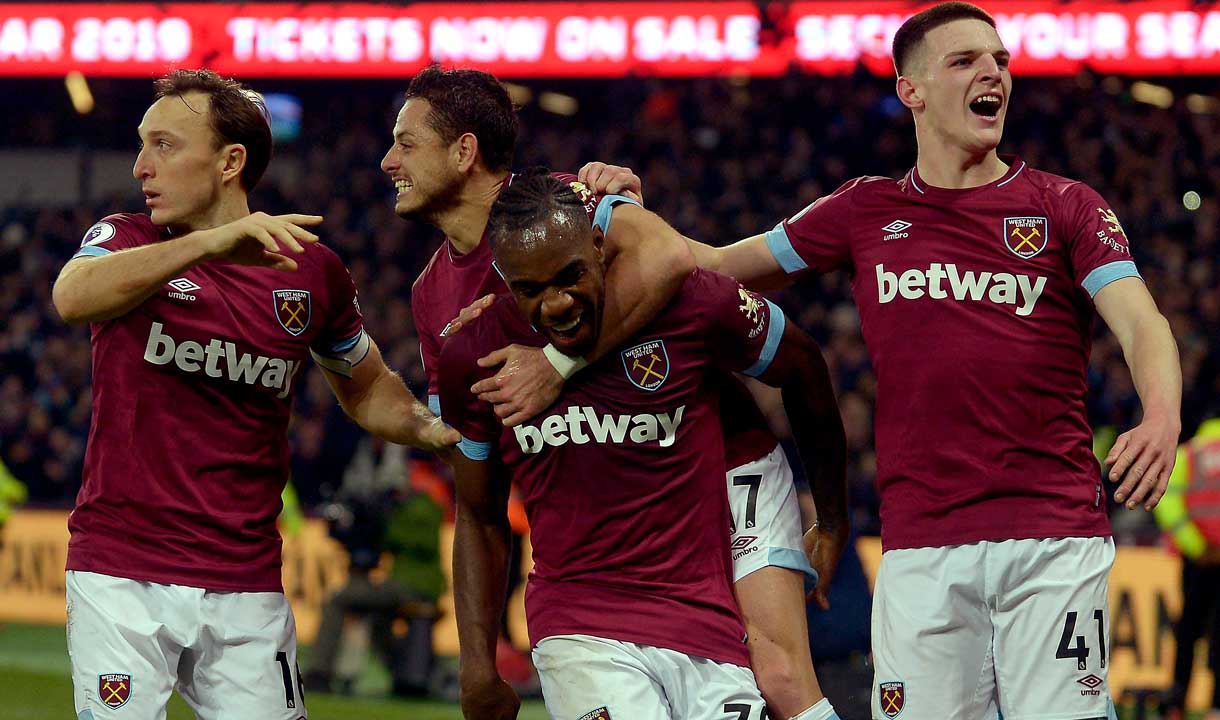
12 493
1188 513
381 511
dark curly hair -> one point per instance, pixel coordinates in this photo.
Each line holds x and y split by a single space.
469 101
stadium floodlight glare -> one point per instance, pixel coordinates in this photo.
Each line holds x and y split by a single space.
1202 104
1146 92
519 94
558 103
78 92
1191 200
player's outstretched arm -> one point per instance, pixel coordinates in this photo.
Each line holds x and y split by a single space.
1143 457
647 263
749 261
379 401
95 289
800 371
480 577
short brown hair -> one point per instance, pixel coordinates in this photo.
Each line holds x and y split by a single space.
236 113
919 25
469 101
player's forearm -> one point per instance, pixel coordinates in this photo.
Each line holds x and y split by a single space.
749 261
480 580
650 263
807 505
388 410
1152 356
706 256
817 427
102 288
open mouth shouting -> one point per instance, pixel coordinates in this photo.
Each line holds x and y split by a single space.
987 106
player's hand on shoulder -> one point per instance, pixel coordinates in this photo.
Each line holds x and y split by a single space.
526 385
262 239
1142 459
606 179
489 699
469 313
824 547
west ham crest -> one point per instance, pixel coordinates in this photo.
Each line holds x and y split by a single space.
647 364
114 689
893 697
599 714
1025 236
292 309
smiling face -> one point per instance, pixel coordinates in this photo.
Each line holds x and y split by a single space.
556 273
959 86
180 164
421 164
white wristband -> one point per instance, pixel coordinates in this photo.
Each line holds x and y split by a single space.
564 365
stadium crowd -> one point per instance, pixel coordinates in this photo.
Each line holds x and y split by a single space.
721 159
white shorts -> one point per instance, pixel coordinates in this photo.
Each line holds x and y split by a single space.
591 678
231 655
766 519
1019 627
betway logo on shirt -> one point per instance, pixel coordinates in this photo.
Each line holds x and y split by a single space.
942 282
219 359
556 430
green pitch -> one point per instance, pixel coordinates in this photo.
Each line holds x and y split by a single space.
35 685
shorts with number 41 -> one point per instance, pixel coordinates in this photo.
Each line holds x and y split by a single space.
1017 628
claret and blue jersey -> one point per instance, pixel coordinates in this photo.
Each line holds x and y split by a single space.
188 448
623 477
976 306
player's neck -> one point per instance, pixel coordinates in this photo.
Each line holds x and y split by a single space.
955 169
466 220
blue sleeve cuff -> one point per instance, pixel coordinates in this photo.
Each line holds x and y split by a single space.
344 345
434 404
781 248
475 450
1108 273
91 251
775 331
605 209
792 560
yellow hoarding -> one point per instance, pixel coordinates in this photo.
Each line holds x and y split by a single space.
1144 593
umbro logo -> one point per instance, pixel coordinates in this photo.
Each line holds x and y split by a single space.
743 542
1091 682
182 289
896 230
182 285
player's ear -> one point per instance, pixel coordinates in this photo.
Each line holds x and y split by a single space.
233 161
909 92
466 152
599 241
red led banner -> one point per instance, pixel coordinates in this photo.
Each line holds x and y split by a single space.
578 39
325 40
1045 38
